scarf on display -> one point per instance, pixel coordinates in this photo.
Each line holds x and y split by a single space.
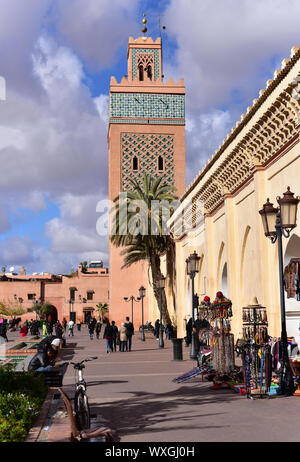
221 308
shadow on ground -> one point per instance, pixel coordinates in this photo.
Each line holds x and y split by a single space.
143 411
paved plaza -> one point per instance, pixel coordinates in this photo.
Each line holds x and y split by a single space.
133 393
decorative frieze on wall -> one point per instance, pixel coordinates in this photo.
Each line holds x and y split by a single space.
145 56
140 154
255 140
142 105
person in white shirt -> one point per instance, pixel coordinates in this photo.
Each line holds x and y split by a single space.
71 328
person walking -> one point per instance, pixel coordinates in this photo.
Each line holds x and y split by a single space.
44 328
49 328
64 324
98 328
169 331
23 330
108 336
123 337
59 330
71 328
91 327
115 335
189 329
156 329
130 332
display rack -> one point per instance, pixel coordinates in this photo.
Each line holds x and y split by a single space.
256 356
218 314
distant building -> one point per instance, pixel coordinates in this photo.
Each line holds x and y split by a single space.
73 296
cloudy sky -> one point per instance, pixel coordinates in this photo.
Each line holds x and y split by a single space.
57 57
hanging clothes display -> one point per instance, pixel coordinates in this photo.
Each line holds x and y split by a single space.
291 278
218 314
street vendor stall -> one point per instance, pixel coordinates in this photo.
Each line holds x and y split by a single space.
221 340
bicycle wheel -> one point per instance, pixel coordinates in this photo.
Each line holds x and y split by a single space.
82 411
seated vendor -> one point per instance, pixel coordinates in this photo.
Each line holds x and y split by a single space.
44 360
199 326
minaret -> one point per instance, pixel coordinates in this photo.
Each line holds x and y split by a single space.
146 134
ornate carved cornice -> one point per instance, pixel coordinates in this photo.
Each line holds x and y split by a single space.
267 127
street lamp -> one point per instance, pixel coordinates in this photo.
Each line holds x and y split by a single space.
161 283
278 222
127 299
192 267
142 292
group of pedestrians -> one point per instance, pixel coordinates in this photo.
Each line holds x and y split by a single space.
169 330
123 337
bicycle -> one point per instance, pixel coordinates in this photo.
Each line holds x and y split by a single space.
81 405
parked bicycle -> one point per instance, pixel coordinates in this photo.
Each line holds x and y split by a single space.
81 405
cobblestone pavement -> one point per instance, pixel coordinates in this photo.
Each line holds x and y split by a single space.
133 393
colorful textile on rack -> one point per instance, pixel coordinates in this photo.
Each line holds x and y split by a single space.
220 308
223 353
291 280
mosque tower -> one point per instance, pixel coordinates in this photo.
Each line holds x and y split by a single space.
146 134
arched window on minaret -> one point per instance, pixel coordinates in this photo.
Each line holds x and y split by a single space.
149 72
135 165
160 163
141 73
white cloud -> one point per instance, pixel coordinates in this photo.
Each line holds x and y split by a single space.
96 28
225 45
205 132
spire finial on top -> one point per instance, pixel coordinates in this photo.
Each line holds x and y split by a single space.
144 21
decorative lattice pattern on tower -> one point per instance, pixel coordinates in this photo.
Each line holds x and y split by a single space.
152 54
146 148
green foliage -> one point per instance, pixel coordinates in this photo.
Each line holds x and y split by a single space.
84 265
12 430
102 308
21 398
24 382
41 309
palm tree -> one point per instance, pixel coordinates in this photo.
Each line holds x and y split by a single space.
150 241
102 308
41 309
84 266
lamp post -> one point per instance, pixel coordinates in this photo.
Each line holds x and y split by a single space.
278 222
192 267
127 299
142 291
161 285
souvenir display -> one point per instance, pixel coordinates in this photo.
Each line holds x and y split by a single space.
218 314
256 356
291 279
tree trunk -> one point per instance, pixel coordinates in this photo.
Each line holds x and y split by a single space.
156 275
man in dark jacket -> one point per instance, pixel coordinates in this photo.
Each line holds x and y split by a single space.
44 360
189 328
130 332
108 335
115 335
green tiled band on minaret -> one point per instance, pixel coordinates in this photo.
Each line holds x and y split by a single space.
168 106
